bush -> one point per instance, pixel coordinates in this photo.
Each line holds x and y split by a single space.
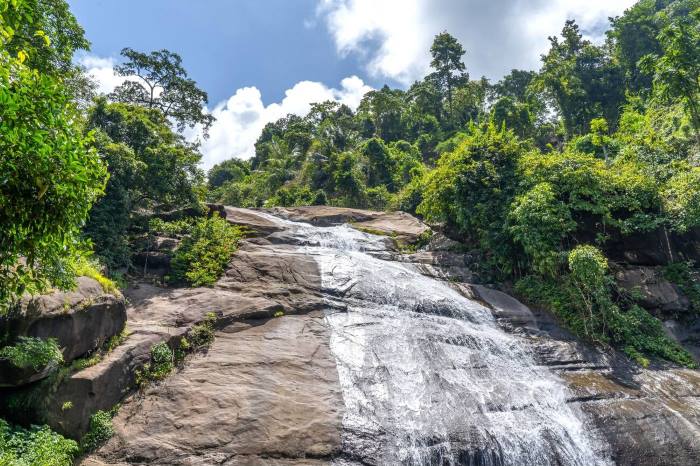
33 352
202 256
85 267
174 228
202 334
583 301
161 365
101 430
37 446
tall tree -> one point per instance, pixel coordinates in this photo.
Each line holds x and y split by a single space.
583 81
162 84
447 62
49 176
677 71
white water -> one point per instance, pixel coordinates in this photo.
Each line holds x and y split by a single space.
427 375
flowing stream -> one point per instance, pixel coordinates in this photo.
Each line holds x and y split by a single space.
427 375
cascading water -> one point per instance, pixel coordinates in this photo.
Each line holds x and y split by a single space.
427 375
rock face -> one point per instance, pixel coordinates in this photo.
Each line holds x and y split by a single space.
648 417
268 391
80 320
655 293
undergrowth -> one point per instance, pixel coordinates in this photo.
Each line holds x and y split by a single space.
36 446
203 254
32 352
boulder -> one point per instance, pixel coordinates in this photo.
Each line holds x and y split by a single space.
81 319
655 292
403 226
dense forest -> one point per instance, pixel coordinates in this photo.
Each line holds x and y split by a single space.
541 174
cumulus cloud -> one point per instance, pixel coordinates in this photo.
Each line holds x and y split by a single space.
101 70
241 118
393 37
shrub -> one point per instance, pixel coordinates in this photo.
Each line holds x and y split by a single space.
33 352
202 256
202 334
174 228
583 300
161 365
85 267
101 430
38 445
539 222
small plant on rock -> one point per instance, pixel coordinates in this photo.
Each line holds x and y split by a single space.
33 352
202 335
162 363
101 430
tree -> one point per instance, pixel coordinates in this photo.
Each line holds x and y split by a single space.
48 37
582 80
162 84
677 72
515 85
227 171
49 175
151 167
447 62
383 110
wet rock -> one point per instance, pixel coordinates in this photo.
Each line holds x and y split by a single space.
505 307
268 393
255 222
401 225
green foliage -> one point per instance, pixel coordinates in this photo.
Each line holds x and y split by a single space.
151 168
539 223
36 446
472 187
677 68
164 85
86 267
33 352
161 365
202 334
203 254
50 175
101 430
174 228
583 81
681 199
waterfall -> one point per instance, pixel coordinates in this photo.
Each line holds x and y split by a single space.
427 375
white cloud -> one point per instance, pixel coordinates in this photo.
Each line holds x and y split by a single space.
393 37
101 70
241 118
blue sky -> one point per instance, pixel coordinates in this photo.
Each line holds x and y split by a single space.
262 59
225 44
